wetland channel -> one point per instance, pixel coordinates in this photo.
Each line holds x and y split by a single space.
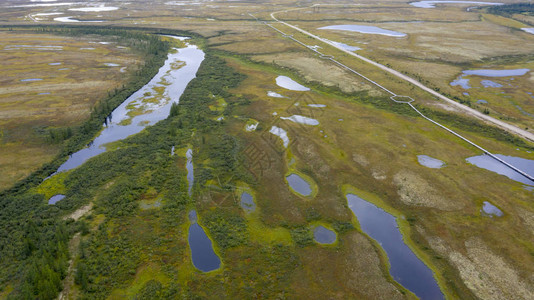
203 256
114 130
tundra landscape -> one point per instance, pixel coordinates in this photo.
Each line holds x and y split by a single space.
266 149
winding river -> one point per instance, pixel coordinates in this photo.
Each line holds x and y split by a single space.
173 79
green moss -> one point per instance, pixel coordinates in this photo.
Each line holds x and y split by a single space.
144 274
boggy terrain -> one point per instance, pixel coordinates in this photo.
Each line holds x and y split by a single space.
122 231
50 82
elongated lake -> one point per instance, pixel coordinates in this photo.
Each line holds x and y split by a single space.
114 130
290 84
202 254
430 162
54 199
464 82
406 268
491 210
190 170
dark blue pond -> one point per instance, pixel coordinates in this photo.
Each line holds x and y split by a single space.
299 185
202 254
247 202
190 170
406 268
324 235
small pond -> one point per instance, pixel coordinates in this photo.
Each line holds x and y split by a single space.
489 163
480 101
317 105
345 46
247 202
490 210
529 30
299 185
406 268
489 83
54 199
430 162
364 29
31 79
204 257
497 73
290 84
323 235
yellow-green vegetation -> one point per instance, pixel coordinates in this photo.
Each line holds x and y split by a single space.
257 229
315 224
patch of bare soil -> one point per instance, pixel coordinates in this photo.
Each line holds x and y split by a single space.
486 274
80 212
414 190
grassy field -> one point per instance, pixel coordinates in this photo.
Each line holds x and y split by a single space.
50 82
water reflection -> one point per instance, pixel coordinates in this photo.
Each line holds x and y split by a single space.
406 268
